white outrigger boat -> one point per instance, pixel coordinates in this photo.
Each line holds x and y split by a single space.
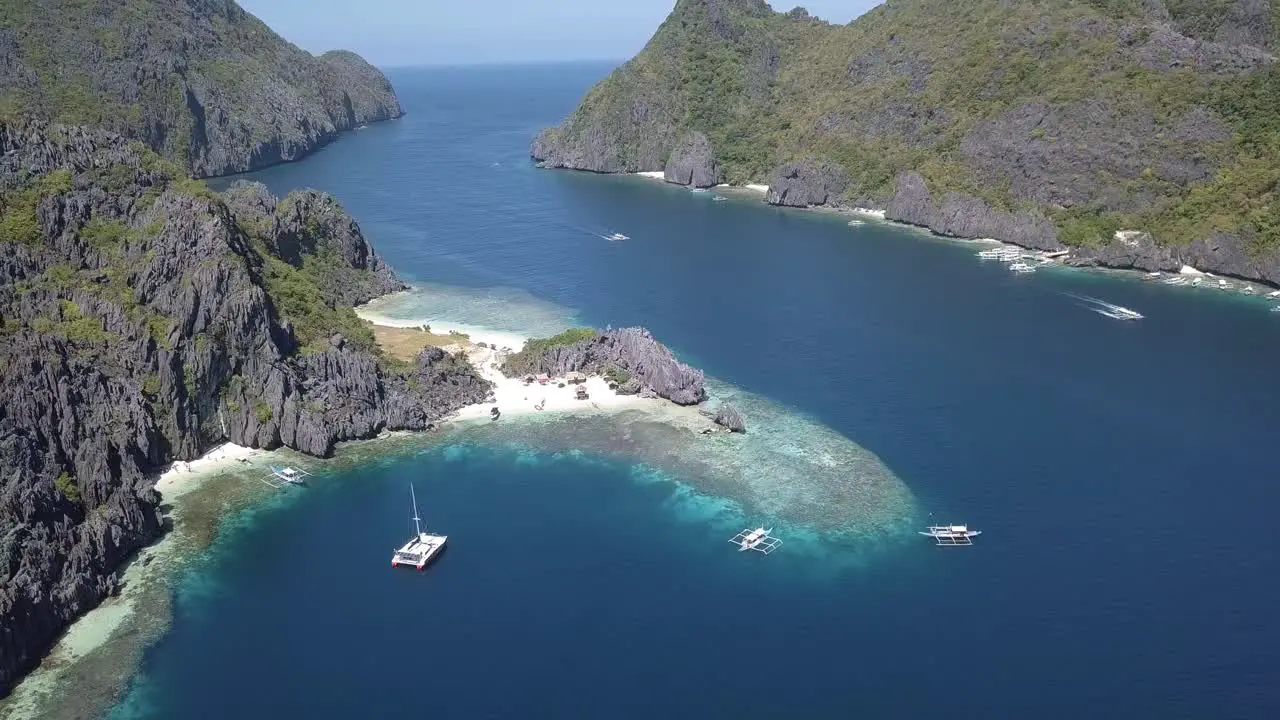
422 548
951 535
990 254
1021 267
281 476
759 540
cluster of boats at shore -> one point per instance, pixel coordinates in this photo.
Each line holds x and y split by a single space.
1207 281
1021 261
1017 258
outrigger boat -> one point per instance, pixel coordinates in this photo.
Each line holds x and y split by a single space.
281 476
422 548
951 535
759 540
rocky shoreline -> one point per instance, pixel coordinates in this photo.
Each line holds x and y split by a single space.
146 320
816 186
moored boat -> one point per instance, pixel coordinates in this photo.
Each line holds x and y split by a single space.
423 547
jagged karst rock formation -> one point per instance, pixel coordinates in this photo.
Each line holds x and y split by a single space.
146 319
807 184
202 82
729 417
630 356
1070 121
693 163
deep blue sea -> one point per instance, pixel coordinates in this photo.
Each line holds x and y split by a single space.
1124 474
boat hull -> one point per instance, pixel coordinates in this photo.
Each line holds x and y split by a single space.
424 560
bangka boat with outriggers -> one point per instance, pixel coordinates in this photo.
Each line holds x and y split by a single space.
951 535
760 540
422 548
281 476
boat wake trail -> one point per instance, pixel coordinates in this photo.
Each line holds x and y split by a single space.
1102 307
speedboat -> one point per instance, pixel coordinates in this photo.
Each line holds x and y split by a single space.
1248 290
617 236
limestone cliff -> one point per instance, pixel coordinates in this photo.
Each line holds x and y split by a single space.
1044 123
201 82
146 319
629 357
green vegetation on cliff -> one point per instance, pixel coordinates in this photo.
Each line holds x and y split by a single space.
204 83
523 362
1100 114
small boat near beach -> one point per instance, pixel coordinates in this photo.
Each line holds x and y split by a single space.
1152 276
281 476
951 535
1174 281
759 540
1247 290
988 254
423 547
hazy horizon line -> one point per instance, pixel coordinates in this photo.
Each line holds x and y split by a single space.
499 63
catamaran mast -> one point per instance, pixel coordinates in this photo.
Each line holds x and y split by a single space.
417 522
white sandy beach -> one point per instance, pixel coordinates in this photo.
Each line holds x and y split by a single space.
184 476
513 397
660 175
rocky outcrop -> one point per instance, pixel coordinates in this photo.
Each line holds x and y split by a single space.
145 319
202 82
959 215
693 163
629 356
727 416
807 184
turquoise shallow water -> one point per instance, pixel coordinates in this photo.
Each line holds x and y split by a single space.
1122 472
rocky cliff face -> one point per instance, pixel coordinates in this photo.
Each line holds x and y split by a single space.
145 319
1072 121
631 356
202 82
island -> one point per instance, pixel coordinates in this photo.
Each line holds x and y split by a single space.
1133 134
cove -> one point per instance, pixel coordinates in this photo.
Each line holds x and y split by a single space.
1121 472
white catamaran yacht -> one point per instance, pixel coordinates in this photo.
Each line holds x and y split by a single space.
422 547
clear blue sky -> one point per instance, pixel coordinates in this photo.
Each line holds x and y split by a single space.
418 32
